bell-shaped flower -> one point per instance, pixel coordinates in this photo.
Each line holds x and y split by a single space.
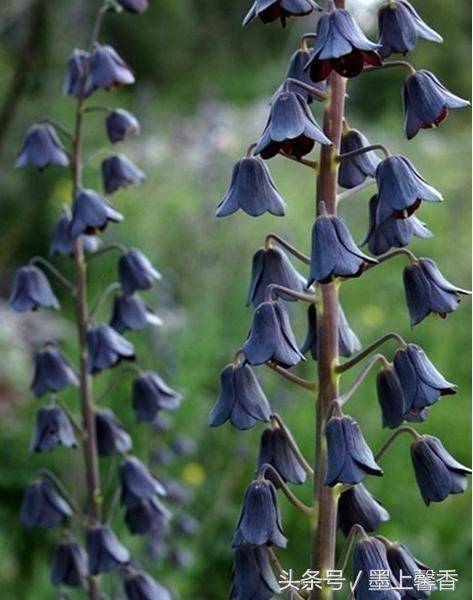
186 525
31 290
252 575
107 348
390 397
152 394
107 70
147 515
53 372
139 585
119 172
356 506
134 6
260 518
348 342
392 233
296 70
91 213
334 253
271 337
426 102
421 383
401 189
354 171
241 400
42 505
437 473
369 557
272 266
76 82
41 148
402 561
130 313
275 450
112 437
137 483
271 10
104 550
349 457
120 124
252 189
62 243
70 564
427 291
340 45
53 427
290 128
136 272
400 27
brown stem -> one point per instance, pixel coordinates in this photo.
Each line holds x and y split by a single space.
324 531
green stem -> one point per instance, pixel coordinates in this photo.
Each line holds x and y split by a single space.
287 246
347 394
293 499
347 194
39 260
394 436
274 288
389 65
292 443
113 287
355 532
313 164
369 349
341 157
304 383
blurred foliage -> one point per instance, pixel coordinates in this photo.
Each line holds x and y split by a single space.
203 84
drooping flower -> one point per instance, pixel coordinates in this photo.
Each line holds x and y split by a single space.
426 102
296 70
290 128
186 525
42 505
271 10
120 124
349 457
119 172
107 70
76 83
400 27
437 473
427 291
275 450
370 556
137 483
340 45
136 272
152 394
70 564
356 506
130 313
52 428
354 171
401 189
272 266
252 575
241 400
107 348
334 253
42 148
53 372
91 213
31 290
104 550
271 337
139 585
421 383
390 397
62 243
252 189
401 560
134 6
112 437
348 342
392 233
260 518
147 515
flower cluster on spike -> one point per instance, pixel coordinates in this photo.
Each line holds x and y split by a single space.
95 549
408 386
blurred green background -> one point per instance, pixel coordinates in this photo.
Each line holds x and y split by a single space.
201 96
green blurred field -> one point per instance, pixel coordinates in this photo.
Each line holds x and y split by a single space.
192 134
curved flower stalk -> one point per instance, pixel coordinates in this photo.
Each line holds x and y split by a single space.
408 385
77 563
